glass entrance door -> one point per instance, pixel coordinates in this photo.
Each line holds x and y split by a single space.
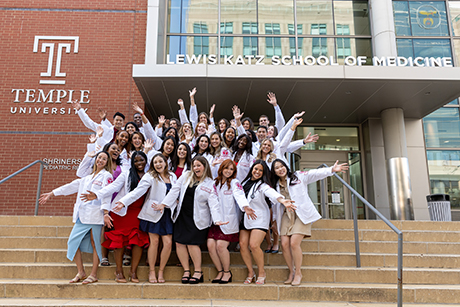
328 195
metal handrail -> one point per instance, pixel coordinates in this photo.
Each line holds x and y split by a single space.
39 186
383 218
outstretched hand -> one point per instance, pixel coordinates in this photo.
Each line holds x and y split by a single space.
88 196
299 114
311 138
76 105
44 198
250 213
272 99
137 109
192 92
340 168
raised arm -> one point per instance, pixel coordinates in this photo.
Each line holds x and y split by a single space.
279 118
193 110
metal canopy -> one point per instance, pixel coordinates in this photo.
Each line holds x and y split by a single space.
328 94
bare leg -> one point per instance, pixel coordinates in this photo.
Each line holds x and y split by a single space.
195 254
105 251
224 256
79 262
212 248
182 254
245 252
255 239
276 239
165 253
296 240
269 240
286 244
95 258
120 276
136 254
152 255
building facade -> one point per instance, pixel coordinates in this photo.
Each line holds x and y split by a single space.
365 72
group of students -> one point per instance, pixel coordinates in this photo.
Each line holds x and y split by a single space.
190 182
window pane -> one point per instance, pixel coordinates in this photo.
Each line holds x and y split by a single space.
270 46
191 45
331 138
317 46
444 170
401 15
432 48
405 48
428 18
454 8
354 14
442 128
457 49
238 12
353 47
276 12
311 14
175 45
185 14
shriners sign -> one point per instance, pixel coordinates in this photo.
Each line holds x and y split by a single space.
66 44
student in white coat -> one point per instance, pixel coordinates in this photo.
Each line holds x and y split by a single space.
296 224
182 161
242 156
197 209
203 148
87 216
125 224
231 196
256 220
157 182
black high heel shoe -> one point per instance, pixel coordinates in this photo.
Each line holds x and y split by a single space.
217 280
194 280
226 281
186 279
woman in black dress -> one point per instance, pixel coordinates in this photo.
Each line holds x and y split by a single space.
197 208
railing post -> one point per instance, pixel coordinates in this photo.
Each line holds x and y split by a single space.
39 188
355 228
400 269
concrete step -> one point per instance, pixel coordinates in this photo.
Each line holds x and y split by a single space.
334 292
309 259
331 274
195 303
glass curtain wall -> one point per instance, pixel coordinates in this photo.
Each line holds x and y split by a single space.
432 29
331 28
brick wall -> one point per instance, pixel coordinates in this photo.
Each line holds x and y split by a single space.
111 39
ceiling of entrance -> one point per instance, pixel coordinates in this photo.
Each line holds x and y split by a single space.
342 95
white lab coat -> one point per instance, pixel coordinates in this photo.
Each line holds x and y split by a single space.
230 201
206 155
89 212
120 185
244 165
206 207
156 192
298 192
256 199
224 154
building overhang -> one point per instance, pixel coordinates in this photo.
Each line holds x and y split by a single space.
328 94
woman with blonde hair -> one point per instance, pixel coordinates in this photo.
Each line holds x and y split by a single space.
156 183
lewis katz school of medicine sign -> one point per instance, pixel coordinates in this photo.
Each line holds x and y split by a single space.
36 100
309 60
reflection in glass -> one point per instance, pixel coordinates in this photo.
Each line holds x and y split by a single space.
331 138
354 14
457 49
444 170
238 12
313 14
454 8
185 14
190 45
405 48
271 46
275 12
453 102
442 128
428 18
432 48
353 47
292 39
317 46
401 15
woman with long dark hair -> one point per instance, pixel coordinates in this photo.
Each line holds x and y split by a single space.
88 217
125 224
295 225
256 219
242 156
197 209
182 161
